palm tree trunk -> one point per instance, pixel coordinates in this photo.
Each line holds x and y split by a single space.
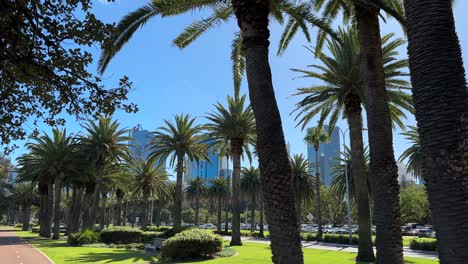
220 205
353 113
158 216
75 210
178 193
252 214
261 216
226 200
144 220
124 213
197 206
26 215
383 169
97 193
44 213
58 199
252 18
441 102
87 204
299 212
236 149
102 218
118 212
317 194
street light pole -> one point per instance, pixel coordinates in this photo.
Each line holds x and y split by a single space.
348 207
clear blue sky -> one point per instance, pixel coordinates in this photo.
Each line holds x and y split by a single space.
169 81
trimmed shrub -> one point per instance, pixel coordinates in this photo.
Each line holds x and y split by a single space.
245 233
85 237
35 229
172 231
191 244
423 244
139 246
148 237
308 237
158 228
340 239
121 235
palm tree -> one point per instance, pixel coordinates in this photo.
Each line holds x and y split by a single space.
235 125
251 187
218 190
342 95
303 182
57 158
178 141
105 140
338 183
195 190
441 102
315 136
151 181
24 194
413 154
366 17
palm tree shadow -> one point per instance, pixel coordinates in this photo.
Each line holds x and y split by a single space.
111 257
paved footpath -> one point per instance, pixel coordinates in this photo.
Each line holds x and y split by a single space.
407 252
14 250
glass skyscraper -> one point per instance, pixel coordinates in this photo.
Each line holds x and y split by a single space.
215 167
327 156
139 144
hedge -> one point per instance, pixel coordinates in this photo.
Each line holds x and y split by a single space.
158 228
308 237
85 237
423 244
243 233
121 235
191 244
340 239
148 237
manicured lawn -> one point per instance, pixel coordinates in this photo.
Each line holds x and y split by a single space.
61 253
252 253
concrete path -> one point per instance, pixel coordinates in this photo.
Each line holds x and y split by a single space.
407 252
14 250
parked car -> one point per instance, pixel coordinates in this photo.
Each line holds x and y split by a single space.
426 232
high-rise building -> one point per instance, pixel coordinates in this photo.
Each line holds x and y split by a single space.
328 153
215 167
139 145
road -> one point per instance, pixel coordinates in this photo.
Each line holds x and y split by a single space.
14 250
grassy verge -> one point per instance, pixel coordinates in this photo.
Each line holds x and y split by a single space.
59 252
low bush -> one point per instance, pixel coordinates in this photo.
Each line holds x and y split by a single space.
340 239
191 244
308 237
149 236
121 235
85 237
139 246
35 229
423 244
172 231
158 228
19 225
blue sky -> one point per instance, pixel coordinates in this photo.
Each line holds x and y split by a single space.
167 80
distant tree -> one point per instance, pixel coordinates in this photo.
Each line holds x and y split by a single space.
24 194
333 207
251 186
414 205
413 155
218 189
303 182
195 191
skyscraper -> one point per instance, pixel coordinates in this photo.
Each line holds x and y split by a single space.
140 141
328 152
215 167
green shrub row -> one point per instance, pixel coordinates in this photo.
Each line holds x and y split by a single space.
308 236
340 239
423 244
158 228
191 243
245 233
121 235
85 237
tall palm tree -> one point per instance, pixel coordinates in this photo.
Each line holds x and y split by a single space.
252 188
57 160
177 141
413 154
151 181
195 191
366 17
315 136
234 124
105 140
303 182
342 95
218 190
441 102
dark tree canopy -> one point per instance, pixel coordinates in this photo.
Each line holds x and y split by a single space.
44 61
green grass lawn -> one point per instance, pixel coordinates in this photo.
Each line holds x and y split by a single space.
252 253
59 252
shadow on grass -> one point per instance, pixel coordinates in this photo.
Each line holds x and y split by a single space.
111 257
